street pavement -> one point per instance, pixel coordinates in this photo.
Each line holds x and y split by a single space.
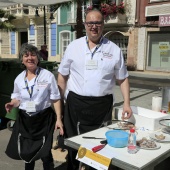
143 86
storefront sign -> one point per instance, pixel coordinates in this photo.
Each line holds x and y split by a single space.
164 47
164 20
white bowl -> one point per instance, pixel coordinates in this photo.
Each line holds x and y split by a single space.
165 123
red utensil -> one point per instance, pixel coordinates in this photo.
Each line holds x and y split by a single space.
98 148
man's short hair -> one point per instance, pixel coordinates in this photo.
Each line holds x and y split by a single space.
44 45
92 10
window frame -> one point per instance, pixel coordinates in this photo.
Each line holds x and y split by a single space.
151 1
62 50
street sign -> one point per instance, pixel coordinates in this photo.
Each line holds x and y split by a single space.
164 20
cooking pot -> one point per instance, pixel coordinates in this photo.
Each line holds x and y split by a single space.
165 97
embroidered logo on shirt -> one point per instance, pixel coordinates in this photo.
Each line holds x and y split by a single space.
107 55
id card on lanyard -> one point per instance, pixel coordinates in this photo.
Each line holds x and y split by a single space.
93 64
30 105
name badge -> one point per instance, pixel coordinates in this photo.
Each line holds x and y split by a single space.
91 65
30 106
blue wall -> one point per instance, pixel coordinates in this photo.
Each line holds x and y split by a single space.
32 31
53 40
13 42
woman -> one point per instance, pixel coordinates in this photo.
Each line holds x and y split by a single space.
35 90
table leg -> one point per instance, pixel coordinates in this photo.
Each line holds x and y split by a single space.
83 166
80 165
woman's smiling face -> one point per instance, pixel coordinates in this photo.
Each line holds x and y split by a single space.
30 60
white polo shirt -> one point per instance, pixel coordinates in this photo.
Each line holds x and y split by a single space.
45 89
92 82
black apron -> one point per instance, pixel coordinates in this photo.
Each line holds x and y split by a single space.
83 114
32 136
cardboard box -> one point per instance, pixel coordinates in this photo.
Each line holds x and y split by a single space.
142 117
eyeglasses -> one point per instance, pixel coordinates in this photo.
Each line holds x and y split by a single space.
97 24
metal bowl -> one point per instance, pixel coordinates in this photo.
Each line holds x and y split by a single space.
165 123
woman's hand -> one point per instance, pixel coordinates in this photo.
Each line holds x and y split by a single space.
59 125
9 106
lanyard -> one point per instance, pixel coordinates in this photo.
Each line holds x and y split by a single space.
97 46
32 87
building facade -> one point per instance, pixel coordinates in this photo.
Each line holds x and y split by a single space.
153 31
60 31
119 28
32 27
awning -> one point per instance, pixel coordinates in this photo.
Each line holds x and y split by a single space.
6 3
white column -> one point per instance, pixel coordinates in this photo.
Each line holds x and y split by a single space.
141 53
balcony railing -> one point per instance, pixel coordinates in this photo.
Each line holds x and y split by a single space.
116 19
20 10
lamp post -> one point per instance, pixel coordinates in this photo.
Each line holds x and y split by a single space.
44 25
44 19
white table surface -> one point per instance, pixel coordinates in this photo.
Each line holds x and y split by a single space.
142 160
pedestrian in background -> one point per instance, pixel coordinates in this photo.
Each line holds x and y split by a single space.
44 52
86 77
35 90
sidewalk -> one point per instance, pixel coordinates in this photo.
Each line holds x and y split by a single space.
10 164
143 86
150 74
153 80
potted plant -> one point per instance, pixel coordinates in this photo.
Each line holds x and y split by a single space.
111 9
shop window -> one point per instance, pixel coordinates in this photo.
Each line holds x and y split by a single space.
158 56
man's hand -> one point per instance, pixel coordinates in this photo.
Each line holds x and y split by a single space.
127 112
59 125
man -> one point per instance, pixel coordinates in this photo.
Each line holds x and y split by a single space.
87 75
44 52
